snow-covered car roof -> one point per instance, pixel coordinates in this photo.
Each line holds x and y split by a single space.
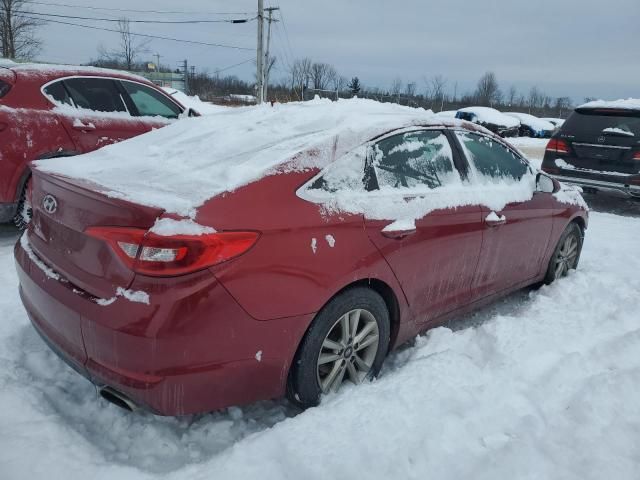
183 165
447 113
532 121
48 70
556 121
491 115
622 104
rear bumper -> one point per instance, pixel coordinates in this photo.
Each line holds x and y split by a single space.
601 185
192 349
7 212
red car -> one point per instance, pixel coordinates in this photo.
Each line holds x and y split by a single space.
51 111
271 287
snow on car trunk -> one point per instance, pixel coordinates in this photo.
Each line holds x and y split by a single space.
179 167
542 385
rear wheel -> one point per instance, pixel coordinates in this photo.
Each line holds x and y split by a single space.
24 211
347 342
566 255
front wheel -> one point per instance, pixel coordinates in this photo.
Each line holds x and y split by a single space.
566 255
347 342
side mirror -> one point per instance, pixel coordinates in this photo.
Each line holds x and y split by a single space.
192 113
546 184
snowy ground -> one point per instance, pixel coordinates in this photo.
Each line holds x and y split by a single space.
544 384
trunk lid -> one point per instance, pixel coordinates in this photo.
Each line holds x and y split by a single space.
62 210
604 140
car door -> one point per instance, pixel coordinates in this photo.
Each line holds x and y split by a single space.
153 109
434 254
93 111
515 236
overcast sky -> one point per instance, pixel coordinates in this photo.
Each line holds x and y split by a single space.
573 48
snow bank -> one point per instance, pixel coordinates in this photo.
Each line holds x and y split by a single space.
544 384
628 104
179 167
491 115
203 108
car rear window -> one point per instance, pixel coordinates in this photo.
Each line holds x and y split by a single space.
597 123
4 88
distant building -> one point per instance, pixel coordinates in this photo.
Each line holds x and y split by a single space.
165 79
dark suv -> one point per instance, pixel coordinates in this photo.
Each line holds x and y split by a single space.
598 148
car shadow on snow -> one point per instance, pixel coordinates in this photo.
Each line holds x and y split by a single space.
626 207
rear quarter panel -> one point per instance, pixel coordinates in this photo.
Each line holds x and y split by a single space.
305 254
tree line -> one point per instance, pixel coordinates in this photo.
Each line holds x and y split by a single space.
301 80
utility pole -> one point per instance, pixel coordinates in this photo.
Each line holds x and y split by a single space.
185 71
260 53
267 60
157 55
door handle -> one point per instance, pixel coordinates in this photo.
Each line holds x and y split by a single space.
398 234
495 220
83 127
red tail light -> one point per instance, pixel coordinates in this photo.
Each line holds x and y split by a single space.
150 254
557 146
636 156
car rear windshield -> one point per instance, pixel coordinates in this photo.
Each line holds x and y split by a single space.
596 123
4 88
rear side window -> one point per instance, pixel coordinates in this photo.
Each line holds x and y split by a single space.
58 94
414 159
597 123
98 94
150 103
491 159
4 88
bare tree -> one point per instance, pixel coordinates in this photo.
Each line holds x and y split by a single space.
435 90
410 89
300 74
129 49
321 75
535 98
512 95
17 30
488 92
396 87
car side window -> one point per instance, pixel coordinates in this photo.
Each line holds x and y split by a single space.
413 160
98 94
149 102
490 158
58 93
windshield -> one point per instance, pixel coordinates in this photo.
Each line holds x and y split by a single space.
596 124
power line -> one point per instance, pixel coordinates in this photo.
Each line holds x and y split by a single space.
217 71
157 37
95 19
134 11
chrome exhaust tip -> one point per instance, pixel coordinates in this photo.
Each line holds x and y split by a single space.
118 399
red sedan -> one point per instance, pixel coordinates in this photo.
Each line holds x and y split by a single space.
300 251
49 111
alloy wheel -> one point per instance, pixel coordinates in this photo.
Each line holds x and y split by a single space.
567 256
348 351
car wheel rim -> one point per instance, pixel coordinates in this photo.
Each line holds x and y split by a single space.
348 351
567 256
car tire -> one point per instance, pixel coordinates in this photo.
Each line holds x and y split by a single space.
566 254
24 211
328 355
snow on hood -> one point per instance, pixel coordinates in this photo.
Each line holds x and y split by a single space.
534 122
491 115
628 104
179 167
